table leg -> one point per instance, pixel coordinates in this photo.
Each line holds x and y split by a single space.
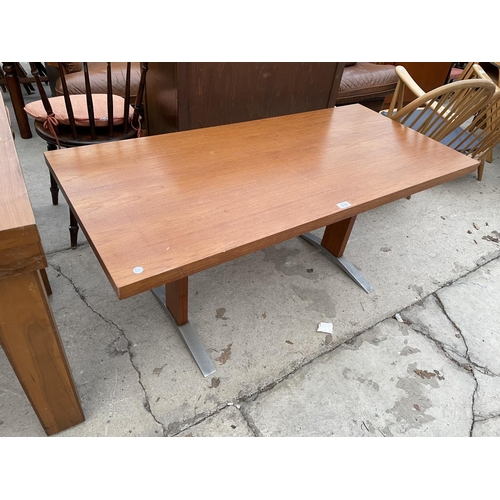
16 97
46 282
73 230
174 299
30 339
333 244
54 188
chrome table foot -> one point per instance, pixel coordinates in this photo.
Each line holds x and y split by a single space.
345 264
190 337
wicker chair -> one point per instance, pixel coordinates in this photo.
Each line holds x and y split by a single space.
444 113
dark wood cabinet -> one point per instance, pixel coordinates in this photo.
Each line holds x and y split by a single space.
184 96
428 75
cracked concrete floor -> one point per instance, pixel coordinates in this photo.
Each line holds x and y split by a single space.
433 371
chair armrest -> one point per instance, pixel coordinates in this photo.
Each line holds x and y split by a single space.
405 81
409 82
479 72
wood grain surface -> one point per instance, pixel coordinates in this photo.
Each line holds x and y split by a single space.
190 95
31 341
28 332
175 204
15 208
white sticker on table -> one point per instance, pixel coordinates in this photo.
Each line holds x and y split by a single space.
343 204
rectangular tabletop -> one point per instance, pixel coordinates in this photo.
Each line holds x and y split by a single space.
16 215
176 204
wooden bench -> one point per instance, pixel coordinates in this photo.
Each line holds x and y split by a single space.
28 332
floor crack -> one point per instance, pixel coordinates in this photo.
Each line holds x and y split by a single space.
467 356
250 422
129 348
178 427
484 418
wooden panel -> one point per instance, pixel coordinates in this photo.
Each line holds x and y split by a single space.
184 96
22 259
219 93
207 196
160 98
428 75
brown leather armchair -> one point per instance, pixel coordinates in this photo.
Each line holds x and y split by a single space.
367 83
98 78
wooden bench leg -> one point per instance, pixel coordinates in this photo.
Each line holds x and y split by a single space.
30 339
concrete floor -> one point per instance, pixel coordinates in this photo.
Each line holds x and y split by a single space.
420 356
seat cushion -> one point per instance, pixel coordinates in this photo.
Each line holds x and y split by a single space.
363 81
80 111
417 118
99 79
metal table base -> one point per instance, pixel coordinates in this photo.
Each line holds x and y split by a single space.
190 337
346 265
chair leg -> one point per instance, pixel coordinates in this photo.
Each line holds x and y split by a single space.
480 170
41 69
54 188
73 229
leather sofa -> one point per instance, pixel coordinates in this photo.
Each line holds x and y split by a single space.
98 78
367 83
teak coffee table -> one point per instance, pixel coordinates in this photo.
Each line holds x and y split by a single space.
158 209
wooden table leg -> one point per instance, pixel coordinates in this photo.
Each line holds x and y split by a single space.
30 339
16 97
336 236
176 300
